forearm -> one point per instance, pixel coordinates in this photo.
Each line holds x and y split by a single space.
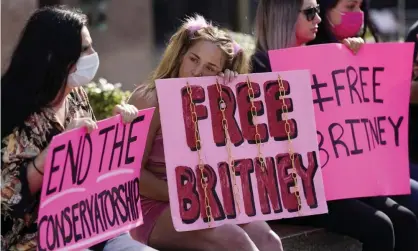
35 171
152 187
20 184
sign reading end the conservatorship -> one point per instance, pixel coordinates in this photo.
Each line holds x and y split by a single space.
90 190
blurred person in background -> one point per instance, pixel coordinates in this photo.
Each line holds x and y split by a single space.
411 201
383 224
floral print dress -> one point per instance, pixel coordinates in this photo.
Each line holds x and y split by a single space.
19 208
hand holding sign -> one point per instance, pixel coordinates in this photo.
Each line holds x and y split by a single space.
127 111
228 76
86 122
353 43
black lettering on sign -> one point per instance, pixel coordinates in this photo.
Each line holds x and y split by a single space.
375 131
75 218
376 84
381 129
117 145
396 127
322 148
353 135
363 84
337 87
54 169
81 220
75 162
105 131
335 141
319 99
91 215
352 81
131 139
87 139
365 123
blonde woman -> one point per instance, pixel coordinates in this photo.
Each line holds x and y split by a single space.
196 49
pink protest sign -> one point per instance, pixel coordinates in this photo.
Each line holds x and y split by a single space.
361 110
239 188
90 189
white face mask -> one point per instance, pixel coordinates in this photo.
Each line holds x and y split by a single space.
86 70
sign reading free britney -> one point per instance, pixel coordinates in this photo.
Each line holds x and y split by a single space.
361 109
239 191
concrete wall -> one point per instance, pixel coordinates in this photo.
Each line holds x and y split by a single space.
14 14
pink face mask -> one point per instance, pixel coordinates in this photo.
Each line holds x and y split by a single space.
351 23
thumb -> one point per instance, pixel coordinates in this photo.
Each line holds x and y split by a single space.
350 45
346 42
117 109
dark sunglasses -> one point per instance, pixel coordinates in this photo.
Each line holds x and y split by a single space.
310 13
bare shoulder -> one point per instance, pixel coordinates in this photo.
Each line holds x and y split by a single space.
142 98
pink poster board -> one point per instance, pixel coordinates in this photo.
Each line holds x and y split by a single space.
361 110
90 189
259 195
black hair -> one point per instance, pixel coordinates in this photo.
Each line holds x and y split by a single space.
325 35
49 45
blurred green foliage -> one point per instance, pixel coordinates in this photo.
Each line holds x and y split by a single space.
104 96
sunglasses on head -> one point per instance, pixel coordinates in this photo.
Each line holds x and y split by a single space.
310 13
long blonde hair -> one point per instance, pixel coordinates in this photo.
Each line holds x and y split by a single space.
194 29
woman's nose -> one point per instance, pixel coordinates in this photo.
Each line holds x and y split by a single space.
317 19
198 71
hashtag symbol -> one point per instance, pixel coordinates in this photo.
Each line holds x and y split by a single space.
319 99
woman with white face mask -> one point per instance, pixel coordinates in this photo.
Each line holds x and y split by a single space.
42 96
